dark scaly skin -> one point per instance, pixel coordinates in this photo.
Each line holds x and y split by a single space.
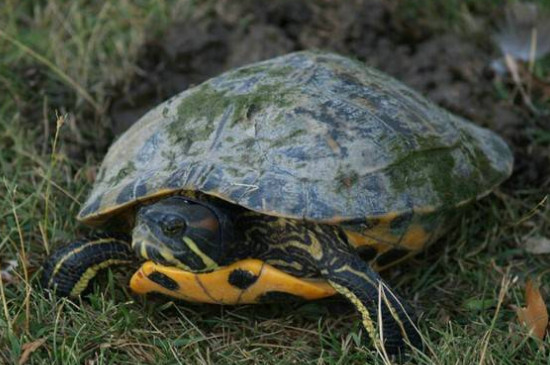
312 250
70 269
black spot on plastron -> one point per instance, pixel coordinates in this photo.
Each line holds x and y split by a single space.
163 280
279 297
367 253
242 279
391 256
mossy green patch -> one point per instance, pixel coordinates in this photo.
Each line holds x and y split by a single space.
456 173
122 173
485 169
281 71
263 70
436 168
281 142
209 103
202 103
171 157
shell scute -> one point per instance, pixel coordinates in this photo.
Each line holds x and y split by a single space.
131 192
308 135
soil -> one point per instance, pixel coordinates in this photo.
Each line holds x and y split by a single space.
452 69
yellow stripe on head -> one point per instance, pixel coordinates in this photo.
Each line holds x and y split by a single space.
208 262
169 257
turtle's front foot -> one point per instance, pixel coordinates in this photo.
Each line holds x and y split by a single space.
69 270
389 321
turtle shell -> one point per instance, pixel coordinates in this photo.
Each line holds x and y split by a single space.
309 135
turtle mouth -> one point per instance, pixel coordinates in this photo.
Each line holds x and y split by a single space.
149 252
148 248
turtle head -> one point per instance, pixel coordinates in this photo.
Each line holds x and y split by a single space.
178 232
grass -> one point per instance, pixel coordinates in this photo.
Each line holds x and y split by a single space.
61 64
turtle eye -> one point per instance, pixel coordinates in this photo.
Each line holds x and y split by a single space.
173 226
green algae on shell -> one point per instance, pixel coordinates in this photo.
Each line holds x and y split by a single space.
309 135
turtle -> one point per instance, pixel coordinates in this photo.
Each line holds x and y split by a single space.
297 177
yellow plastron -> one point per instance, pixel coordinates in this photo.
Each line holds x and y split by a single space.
246 281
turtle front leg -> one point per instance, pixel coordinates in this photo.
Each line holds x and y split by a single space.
69 270
374 299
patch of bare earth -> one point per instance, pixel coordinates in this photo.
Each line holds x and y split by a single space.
450 69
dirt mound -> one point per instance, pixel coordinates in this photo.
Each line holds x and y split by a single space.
450 69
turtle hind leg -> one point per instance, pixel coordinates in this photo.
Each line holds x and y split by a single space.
69 270
364 288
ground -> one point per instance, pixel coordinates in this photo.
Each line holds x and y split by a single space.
74 75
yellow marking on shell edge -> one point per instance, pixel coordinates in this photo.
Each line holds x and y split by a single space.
381 238
220 291
82 283
357 239
415 238
208 262
74 252
367 320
